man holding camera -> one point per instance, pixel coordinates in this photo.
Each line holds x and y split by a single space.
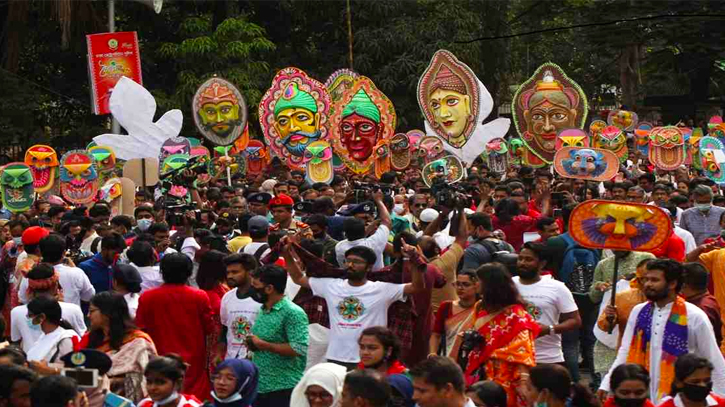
354 229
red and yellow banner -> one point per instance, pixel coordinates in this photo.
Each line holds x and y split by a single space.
111 56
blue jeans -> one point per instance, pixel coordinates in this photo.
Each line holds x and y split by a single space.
582 339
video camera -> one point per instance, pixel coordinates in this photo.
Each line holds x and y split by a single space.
362 191
175 212
449 195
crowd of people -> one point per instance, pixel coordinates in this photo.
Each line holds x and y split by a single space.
275 292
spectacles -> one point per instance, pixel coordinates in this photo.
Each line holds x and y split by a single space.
320 395
420 205
355 261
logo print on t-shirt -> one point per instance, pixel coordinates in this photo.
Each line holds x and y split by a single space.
241 328
350 308
533 310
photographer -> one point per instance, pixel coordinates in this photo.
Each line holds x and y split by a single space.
484 247
355 233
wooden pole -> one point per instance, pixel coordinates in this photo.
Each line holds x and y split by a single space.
349 34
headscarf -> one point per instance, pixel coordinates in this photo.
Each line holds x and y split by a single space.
362 105
294 97
247 375
329 376
402 384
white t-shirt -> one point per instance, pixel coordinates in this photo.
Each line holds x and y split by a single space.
74 282
377 241
238 316
546 300
150 277
352 309
22 328
252 248
132 302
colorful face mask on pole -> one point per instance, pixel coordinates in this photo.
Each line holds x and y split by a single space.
641 137
18 193
318 157
667 147
257 157
612 138
623 119
712 158
586 163
78 177
43 163
498 155
220 111
400 152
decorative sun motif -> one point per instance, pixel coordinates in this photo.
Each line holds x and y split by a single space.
350 308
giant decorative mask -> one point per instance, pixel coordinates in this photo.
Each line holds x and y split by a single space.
220 112
596 127
359 121
612 138
641 137
448 168
18 193
339 82
716 128
294 113
318 157
592 164
516 148
237 164
498 155
257 157
455 104
78 177
382 158
429 149
623 119
543 106
205 157
111 193
400 152
104 158
173 145
694 147
572 138
599 224
667 147
173 163
43 162
712 156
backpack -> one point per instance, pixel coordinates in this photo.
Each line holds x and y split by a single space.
500 253
577 268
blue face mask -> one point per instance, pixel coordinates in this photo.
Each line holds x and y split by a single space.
144 224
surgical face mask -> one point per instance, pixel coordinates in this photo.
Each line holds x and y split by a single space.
703 207
399 209
18 241
144 224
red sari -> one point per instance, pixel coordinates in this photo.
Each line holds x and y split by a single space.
508 347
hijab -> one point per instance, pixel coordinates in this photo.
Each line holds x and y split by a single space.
247 375
329 376
404 387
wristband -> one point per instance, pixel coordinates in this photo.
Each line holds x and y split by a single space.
552 331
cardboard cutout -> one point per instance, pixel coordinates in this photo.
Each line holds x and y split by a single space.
119 193
623 119
641 137
339 82
257 157
318 158
612 138
294 113
498 155
220 111
544 105
173 146
430 148
572 138
712 156
78 177
586 163
667 147
358 122
449 168
599 224
134 108
18 193
455 104
205 157
43 162
237 164
400 152
414 136
694 148
134 170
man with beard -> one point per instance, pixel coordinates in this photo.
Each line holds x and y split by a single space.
664 328
238 310
357 235
359 303
297 119
548 301
484 246
318 225
99 267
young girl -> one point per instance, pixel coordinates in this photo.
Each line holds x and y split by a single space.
164 378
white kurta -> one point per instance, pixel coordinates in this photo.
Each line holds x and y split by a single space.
700 341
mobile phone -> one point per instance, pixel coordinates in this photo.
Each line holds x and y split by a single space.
557 213
86 378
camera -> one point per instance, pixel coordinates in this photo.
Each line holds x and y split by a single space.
471 340
362 191
449 195
175 213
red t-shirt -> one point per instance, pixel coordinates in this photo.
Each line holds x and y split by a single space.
674 248
515 229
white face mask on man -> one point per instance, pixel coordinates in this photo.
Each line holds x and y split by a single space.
399 209
144 224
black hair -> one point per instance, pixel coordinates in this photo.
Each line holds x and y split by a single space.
243 222
481 219
673 271
227 189
212 270
628 371
170 366
120 275
368 385
539 250
686 365
661 187
557 380
440 371
273 275
317 219
506 209
141 253
52 248
248 262
566 213
322 204
503 188
353 228
41 271
718 199
158 227
363 252
498 289
176 268
490 393
406 236
122 220
388 177
679 200
50 308
387 338
99 210
115 308
544 222
53 391
649 176
15 354
113 241
695 276
55 210
143 208
315 248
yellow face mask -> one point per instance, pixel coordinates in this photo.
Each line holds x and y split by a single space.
451 111
220 117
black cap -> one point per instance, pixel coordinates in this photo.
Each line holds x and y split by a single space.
88 359
128 276
303 206
260 197
365 207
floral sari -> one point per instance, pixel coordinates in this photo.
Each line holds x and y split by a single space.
507 351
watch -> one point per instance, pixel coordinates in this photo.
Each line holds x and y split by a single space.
552 331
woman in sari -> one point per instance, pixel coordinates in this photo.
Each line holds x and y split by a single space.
502 335
454 317
130 349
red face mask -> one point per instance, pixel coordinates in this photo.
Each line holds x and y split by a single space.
359 136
